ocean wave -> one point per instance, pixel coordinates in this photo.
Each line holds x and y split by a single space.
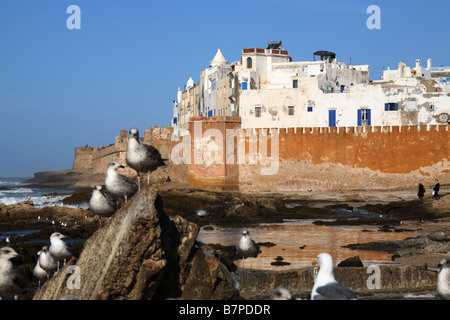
38 201
14 191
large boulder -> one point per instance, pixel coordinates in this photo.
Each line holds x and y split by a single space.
142 254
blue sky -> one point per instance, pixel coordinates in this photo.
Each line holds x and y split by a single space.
62 88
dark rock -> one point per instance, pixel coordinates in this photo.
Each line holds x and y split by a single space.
144 254
395 256
351 262
266 244
280 263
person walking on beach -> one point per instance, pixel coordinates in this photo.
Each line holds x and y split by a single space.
436 190
421 193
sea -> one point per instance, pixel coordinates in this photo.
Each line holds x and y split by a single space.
14 190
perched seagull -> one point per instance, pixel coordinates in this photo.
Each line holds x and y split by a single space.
102 203
443 280
38 272
12 277
59 249
47 262
117 184
281 293
142 157
325 286
247 247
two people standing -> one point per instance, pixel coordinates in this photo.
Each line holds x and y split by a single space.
421 192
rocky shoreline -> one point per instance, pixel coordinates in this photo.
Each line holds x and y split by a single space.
238 209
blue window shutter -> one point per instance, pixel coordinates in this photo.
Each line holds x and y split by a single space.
332 118
175 120
386 107
244 85
368 117
359 117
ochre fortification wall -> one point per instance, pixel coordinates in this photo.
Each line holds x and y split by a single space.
308 158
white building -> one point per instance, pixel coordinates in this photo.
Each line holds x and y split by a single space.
269 90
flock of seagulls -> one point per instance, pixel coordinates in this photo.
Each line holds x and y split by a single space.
142 158
325 285
13 279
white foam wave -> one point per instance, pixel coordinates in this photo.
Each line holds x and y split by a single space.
15 191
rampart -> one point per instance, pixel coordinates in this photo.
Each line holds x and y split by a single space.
304 159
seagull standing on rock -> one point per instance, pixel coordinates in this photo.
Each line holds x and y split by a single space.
247 247
325 286
443 280
12 277
59 249
118 184
102 203
142 157
47 262
38 272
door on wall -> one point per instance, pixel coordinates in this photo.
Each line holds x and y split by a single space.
364 117
332 118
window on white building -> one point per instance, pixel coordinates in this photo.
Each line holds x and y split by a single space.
257 112
391 106
249 63
291 110
294 83
364 117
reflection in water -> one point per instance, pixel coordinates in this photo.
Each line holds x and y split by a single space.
291 235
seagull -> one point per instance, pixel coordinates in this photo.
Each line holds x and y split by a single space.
59 249
443 280
12 277
325 286
38 272
117 184
102 203
47 262
281 293
142 157
247 247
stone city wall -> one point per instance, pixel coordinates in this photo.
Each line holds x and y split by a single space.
339 158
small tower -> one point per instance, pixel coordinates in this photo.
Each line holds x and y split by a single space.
190 84
218 59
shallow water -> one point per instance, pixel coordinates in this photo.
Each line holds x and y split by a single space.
289 236
18 233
